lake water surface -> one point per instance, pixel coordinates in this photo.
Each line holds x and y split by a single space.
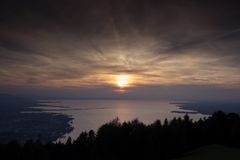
91 114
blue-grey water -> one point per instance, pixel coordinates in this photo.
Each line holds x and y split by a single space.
91 114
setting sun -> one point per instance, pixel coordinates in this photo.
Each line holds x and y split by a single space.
122 80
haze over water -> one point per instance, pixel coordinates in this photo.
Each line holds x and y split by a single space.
91 114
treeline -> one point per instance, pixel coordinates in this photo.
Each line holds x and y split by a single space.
135 140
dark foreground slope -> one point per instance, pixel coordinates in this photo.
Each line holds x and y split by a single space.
135 140
212 152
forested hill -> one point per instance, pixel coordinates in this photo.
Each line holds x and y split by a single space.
135 140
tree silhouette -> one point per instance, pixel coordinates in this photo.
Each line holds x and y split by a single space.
135 140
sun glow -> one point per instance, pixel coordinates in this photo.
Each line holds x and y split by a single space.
122 81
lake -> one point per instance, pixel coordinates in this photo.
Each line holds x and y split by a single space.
91 114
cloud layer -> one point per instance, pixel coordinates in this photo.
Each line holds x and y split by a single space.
86 43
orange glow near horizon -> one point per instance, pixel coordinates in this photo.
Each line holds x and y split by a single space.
122 81
120 90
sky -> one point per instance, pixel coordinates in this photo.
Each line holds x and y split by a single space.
172 49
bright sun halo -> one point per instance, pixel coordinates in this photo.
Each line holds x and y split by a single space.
122 81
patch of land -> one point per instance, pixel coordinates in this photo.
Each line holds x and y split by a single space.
209 108
19 120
